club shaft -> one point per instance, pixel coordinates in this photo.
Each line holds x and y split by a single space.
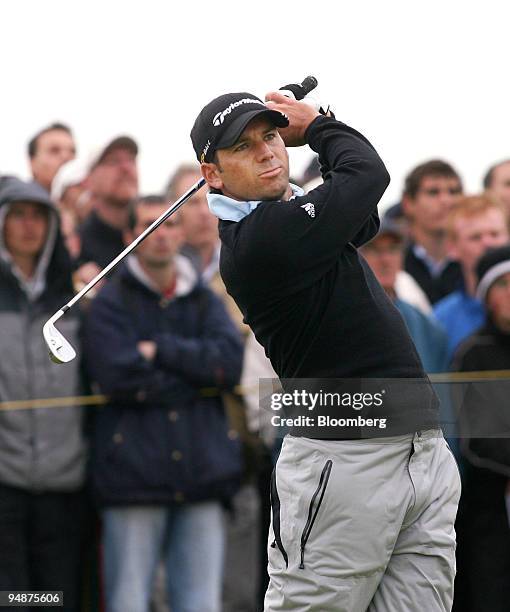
161 219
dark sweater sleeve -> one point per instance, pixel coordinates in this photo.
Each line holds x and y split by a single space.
312 229
368 231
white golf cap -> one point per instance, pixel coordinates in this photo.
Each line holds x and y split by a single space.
71 173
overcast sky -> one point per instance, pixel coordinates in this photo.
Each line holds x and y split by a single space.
419 79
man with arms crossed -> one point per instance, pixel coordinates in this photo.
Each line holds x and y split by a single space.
357 523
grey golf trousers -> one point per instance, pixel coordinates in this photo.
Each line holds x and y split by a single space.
363 525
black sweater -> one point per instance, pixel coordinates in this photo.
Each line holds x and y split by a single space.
308 295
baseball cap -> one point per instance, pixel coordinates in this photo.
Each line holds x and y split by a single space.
394 212
119 142
389 227
221 122
493 264
73 172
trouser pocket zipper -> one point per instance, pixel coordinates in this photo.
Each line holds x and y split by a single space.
312 515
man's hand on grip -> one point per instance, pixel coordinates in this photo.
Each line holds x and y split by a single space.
300 116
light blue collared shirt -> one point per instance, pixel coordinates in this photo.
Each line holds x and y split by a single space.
228 209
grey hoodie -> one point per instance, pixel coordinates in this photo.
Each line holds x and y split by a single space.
43 448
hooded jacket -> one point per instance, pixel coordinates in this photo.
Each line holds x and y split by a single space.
41 449
161 439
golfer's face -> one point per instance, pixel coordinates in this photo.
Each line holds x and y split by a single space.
257 166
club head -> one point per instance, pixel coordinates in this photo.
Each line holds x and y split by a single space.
59 348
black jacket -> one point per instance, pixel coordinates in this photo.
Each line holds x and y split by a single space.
311 299
483 533
484 416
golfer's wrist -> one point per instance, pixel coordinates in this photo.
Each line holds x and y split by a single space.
310 134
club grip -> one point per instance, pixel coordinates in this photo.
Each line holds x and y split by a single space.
309 83
301 90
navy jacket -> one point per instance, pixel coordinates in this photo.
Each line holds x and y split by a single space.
164 437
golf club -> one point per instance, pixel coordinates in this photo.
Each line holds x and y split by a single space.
59 348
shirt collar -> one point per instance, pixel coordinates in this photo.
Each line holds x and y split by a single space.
435 267
228 209
185 273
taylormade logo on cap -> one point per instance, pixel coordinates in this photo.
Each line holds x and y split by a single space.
219 118
204 152
220 123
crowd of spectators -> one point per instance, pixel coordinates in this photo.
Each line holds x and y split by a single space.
159 499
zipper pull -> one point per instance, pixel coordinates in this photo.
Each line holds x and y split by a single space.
302 564
273 545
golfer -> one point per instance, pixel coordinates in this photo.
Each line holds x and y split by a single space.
363 519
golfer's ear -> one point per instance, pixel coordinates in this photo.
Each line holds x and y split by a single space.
211 174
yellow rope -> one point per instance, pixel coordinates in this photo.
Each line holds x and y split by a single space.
470 376
55 402
82 400
100 400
